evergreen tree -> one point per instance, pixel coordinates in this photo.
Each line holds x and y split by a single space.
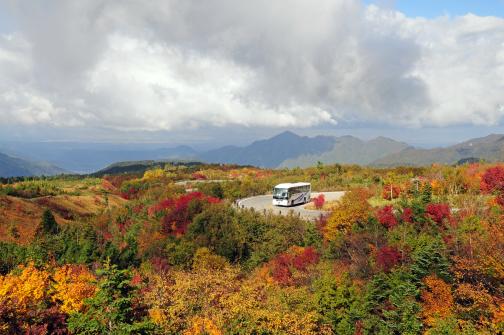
113 310
338 304
48 224
426 195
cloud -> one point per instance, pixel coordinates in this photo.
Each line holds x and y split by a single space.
165 65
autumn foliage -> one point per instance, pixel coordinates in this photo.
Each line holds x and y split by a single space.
176 255
319 201
353 208
72 284
177 213
25 291
297 259
437 300
438 212
387 217
492 181
391 191
388 257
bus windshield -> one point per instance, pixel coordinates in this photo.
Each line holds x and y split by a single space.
280 193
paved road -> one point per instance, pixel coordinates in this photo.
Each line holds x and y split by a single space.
263 202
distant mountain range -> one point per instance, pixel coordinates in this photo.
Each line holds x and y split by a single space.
350 150
15 167
290 150
283 150
489 148
271 152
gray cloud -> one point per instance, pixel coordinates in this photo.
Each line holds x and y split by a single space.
164 65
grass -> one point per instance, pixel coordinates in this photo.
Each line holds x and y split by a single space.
380 202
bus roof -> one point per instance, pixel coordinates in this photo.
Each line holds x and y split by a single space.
289 185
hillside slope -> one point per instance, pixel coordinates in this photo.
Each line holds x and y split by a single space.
350 150
15 167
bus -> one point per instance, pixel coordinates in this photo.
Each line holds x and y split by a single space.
290 194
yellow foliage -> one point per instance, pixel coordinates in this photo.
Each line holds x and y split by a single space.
437 300
204 259
72 284
178 297
157 315
153 174
210 300
498 317
266 308
26 290
202 326
352 208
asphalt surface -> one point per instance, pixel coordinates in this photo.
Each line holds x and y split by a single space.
264 203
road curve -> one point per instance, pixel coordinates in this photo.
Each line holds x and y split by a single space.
264 203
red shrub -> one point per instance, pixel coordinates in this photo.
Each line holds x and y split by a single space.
281 272
388 257
136 279
160 207
386 217
123 225
359 327
500 200
130 192
297 259
493 180
178 213
307 257
438 212
319 201
198 176
407 215
391 192
138 208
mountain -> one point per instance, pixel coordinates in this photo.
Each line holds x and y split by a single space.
489 148
350 150
140 167
16 167
84 157
271 152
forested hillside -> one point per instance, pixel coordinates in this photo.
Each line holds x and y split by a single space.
405 251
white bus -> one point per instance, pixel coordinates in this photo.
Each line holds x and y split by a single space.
290 194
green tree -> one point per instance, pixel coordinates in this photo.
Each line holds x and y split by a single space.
391 305
428 256
338 303
217 228
48 224
426 195
114 309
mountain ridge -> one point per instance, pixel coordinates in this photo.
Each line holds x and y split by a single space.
489 148
17 167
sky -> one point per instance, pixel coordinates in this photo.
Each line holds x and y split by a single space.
217 72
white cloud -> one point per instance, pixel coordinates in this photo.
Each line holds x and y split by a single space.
163 65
